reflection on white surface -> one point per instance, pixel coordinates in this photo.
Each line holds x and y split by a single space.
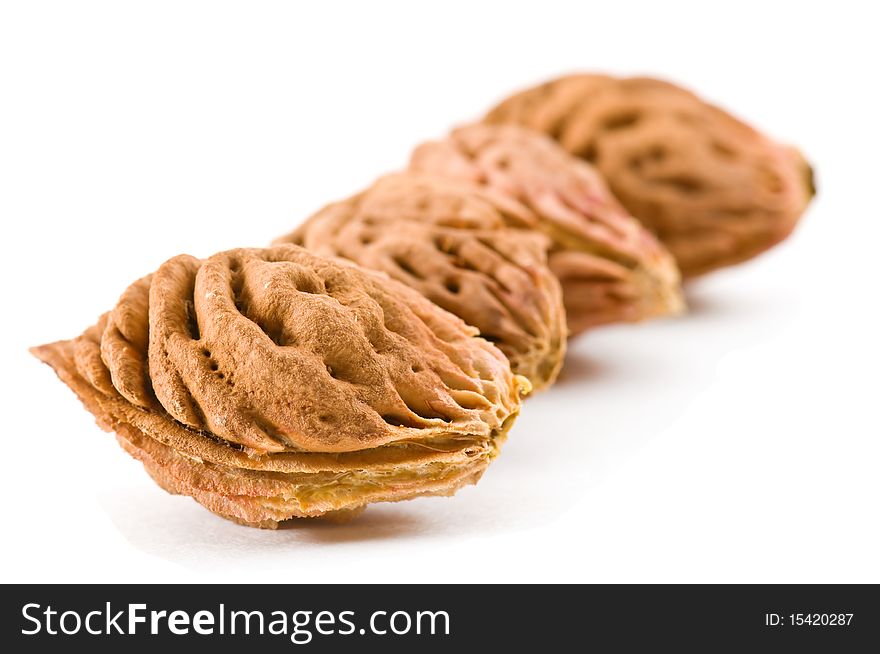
622 388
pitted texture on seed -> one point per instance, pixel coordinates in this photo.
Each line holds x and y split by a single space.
611 268
459 246
276 383
714 190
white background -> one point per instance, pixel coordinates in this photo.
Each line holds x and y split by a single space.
739 443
